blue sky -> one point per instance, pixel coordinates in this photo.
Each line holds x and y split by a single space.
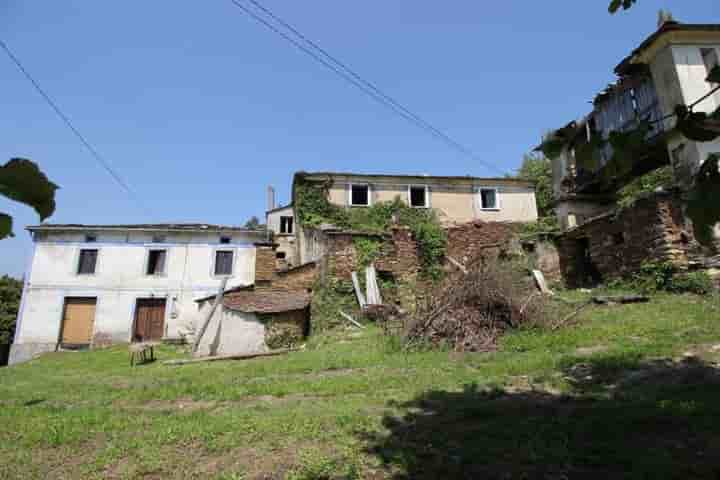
199 108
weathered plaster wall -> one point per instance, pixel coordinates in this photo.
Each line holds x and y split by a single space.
120 280
454 202
230 332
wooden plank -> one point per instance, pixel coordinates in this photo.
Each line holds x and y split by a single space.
541 283
358 291
231 357
351 320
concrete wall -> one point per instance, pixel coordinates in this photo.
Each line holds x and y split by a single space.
454 201
230 332
120 280
287 243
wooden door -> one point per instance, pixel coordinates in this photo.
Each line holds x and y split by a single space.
149 319
78 321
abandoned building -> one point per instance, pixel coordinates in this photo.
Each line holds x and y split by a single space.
280 220
455 200
636 128
91 285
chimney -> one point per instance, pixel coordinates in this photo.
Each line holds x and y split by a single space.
270 198
665 16
264 264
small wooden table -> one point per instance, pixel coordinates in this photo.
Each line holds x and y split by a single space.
140 350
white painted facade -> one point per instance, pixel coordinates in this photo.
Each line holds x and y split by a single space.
121 278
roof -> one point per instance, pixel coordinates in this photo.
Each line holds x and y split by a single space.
417 178
666 28
147 227
277 209
266 301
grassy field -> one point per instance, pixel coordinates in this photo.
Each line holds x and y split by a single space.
629 392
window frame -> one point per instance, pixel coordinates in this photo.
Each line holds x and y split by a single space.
350 195
291 223
213 268
146 264
78 259
497 206
427 196
225 240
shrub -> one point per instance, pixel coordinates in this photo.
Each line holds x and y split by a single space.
664 277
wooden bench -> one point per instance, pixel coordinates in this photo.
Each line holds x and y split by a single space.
139 352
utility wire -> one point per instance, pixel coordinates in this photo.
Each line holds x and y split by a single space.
108 168
322 56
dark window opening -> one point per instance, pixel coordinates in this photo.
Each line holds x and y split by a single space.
90 238
87 262
280 255
418 197
225 240
223 262
286 225
360 195
156 262
618 238
158 239
488 198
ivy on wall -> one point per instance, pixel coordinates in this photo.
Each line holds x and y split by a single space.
314 209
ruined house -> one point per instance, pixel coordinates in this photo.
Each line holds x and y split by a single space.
636 127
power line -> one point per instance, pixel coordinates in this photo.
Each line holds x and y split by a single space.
351 76
108 168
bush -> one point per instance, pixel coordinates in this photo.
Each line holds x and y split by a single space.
664 277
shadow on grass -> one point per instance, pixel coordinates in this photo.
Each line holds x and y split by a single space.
623 419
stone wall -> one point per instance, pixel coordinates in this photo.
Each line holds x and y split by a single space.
469 241
654 229
286 329
299 278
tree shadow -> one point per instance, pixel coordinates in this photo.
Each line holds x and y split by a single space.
623 419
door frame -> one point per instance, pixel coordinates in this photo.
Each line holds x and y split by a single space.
64 299
134 313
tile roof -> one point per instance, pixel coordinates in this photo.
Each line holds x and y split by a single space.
416 178
266 301
191 227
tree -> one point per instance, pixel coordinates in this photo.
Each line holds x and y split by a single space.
21 180
254 223
10 292
536 168
616 4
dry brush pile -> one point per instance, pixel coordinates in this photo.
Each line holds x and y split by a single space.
469 312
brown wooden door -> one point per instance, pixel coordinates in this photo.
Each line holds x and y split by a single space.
78 320
149 319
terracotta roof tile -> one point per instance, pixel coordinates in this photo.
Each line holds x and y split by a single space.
266 301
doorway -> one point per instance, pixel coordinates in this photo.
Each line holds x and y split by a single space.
78 321
149 320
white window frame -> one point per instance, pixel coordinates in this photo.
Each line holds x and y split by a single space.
292 225
427 196
146 264
214 260
369 195
498 205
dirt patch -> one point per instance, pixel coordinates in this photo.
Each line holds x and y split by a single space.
588 351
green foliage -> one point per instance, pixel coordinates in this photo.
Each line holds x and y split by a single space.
314 209
544 225
10 292
538 170
703 206
328 299
367 250
648 183
654 277
254 224
616 4
21 180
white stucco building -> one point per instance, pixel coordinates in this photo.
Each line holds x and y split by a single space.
90 285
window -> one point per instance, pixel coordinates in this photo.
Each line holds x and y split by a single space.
359 195
280 255
156 262
286 224
223 262
158 239
489 199
418 196
710 58
90 238
87 261
225 240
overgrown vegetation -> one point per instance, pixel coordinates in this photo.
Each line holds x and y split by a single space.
661 178
596 400
314 209
367 250
656 277
328 300
537 168
10 293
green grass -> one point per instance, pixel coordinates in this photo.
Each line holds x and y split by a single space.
589 400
